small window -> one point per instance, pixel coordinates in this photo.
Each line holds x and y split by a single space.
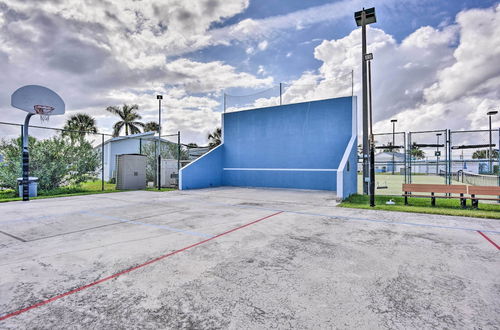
348 166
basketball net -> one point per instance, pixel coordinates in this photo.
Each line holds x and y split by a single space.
44 111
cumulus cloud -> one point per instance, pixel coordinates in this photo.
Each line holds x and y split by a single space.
100 53
434 79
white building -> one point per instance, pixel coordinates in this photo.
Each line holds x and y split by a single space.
129 144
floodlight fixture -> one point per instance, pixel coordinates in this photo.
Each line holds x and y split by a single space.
369 16
394 120
159 97
369 57
491 113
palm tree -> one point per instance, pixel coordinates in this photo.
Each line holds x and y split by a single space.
416 152
129 117
79 125
214 138
151 126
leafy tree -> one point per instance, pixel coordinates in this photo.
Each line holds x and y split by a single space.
168 150
416 152
129 119
215 138
151 126
55 161
82 123
483 154
192 145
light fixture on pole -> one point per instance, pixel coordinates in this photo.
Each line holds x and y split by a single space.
393 121
159 98
363 18
490 154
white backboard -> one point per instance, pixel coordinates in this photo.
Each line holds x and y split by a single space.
27 97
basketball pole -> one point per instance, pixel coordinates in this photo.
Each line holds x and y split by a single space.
26 159
159 97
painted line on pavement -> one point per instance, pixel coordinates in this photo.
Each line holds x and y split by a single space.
105 279
184 231
489 240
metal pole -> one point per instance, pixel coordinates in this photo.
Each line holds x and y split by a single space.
178 156
281 93
393 144
26 158
224 102
372 142
405 154
489 151
437 157
366 141
159 144
102 162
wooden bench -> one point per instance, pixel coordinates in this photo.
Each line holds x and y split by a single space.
473 191
409 188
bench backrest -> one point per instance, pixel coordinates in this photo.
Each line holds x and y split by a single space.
435 188
484 190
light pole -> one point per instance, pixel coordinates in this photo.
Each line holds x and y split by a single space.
368 58
159 97
491 113
362 18
437 153
393 121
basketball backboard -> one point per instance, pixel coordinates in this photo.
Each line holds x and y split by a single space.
31 97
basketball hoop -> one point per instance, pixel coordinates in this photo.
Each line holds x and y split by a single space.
44 111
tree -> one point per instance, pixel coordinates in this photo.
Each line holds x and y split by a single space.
168 150
151 126
389 149
129 119
192 145
214 138
55 161
416 152
483 154
82 123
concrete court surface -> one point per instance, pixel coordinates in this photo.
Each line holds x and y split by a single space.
152 260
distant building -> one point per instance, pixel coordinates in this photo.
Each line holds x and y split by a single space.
129 144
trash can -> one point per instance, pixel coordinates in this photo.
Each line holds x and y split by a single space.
32 184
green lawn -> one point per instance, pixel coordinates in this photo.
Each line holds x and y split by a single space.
423 205
394 182
86 188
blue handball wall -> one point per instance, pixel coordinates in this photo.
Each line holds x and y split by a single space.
308 145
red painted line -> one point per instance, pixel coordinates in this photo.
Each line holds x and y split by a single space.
44 302
489 240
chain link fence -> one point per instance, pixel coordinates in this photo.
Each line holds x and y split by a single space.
434 157
295 92
69 162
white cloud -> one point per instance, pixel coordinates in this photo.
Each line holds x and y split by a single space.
263 45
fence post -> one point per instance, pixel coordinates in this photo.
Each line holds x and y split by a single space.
405 155
281 93
178 156
102 162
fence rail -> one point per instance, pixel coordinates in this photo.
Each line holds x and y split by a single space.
70 161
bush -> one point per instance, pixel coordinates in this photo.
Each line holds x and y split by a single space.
55 161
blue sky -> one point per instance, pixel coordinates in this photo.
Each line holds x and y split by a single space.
433 59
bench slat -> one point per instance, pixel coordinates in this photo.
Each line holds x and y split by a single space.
435 188
484 190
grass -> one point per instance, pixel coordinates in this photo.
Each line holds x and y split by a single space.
423 205
394 182
85 188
